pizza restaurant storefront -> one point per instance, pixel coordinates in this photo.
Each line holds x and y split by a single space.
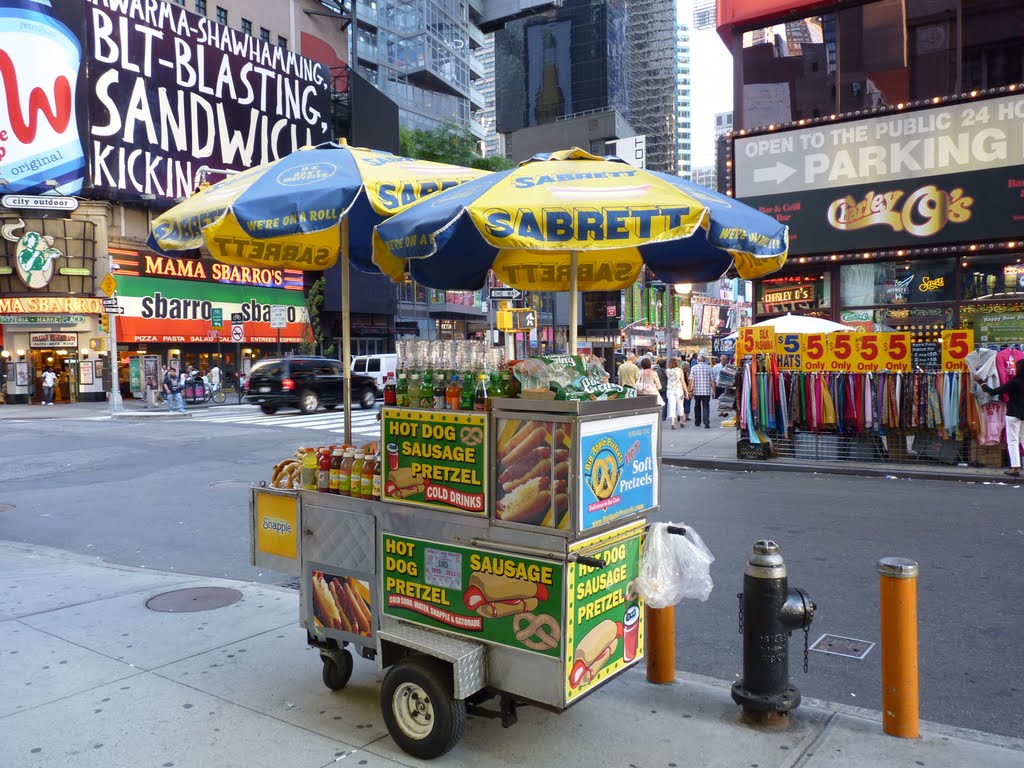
181 310
58 332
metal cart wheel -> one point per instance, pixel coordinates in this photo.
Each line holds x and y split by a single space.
421 713
337 669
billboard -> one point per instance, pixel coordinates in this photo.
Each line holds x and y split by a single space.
549 71
948 174
127 100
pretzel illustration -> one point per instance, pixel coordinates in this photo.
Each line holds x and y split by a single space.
540 633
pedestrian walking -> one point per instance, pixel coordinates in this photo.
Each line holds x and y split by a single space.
647 382
703 386
1014 390
684 367
628 371
660 369
49 382
676 390
172 387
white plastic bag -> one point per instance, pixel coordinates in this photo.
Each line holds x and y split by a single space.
674 567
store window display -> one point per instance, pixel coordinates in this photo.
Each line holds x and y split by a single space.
897 282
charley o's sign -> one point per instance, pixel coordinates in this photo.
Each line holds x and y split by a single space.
948 174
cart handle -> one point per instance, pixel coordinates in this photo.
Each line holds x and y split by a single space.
676 530
591 562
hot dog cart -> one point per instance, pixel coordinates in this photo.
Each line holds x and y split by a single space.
499 563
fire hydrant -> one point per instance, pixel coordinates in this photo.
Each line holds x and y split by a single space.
769 612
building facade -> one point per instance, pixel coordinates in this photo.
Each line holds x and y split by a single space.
684 155
888 137
652 84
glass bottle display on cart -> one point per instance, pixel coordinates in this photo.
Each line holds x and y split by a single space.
453 394
480 396
366 476
307 476
337 456
429 366
323 471
402 390
356 481
391 390
345 473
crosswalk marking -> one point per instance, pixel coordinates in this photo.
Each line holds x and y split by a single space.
364 423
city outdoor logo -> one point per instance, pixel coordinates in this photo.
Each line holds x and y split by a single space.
924 212
308 173
34 255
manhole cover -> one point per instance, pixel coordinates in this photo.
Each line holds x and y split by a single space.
230 484
195 599
6 507
843 646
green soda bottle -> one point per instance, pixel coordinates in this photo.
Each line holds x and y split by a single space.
427 390
466 396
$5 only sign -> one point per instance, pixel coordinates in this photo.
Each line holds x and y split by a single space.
956 345
844 351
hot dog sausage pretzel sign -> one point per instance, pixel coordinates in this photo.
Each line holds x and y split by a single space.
491 596
604 622
435 458
618 468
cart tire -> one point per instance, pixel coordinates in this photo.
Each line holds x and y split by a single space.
337 669
419 708
270 410
308 401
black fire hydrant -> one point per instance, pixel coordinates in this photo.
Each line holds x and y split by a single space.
769 612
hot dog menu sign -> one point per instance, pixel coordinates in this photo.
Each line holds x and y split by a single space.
492 596
605 621
618 468
435 458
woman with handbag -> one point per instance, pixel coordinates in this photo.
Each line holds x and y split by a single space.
647 383
677 392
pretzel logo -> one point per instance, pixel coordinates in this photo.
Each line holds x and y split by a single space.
471 436
604 475
538 633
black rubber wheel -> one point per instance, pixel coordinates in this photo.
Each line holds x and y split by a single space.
308 401
368 399
336 674
270 410
420 711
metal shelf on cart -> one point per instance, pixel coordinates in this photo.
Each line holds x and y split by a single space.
575 407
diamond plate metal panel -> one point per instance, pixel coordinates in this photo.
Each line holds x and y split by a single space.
339 537
468 659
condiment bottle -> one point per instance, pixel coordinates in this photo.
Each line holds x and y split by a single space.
323 471
345 473
391 390
402 391
356 483
335 482
307 477
369 469
376 478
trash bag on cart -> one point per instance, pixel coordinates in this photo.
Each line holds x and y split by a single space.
674 567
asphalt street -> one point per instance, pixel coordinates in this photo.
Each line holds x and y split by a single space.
172 495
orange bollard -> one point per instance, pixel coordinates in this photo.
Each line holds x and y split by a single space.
898 590
661 645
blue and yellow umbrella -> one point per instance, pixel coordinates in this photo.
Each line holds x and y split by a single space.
302 212
571 220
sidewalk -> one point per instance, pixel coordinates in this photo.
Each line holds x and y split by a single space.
132 408
92 678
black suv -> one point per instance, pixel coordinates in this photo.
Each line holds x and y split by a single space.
305 383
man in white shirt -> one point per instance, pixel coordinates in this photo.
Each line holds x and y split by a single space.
49 382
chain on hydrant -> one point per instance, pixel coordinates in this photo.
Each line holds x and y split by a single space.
769 612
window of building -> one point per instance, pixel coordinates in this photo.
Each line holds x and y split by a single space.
282 41
264 34
222 15
920 281
992 278
201 7
247 26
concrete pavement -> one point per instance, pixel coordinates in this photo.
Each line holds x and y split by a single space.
90 677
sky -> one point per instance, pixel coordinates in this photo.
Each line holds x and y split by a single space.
711 85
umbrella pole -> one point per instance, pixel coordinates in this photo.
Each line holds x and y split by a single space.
346 331
573 299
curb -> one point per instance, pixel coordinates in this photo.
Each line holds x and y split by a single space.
853 470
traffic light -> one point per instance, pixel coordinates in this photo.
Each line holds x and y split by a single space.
105 323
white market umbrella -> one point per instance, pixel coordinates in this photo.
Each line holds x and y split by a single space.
789 323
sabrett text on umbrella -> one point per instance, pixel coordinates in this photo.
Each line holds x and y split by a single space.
394 195
604 271
557 225
259 250
184 232
525 182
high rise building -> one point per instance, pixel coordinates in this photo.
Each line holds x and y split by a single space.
493 142
651 42
682 137
704 14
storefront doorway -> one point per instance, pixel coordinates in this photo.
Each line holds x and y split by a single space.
63 364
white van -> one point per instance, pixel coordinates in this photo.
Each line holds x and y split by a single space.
377 367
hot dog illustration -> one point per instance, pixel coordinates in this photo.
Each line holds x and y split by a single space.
594 651
528 503
494 596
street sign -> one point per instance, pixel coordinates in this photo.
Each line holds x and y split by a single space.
114 310
526 319
40 202
110 302
278 316
217 318
213 334
109 284
505 294
238 333
237 317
